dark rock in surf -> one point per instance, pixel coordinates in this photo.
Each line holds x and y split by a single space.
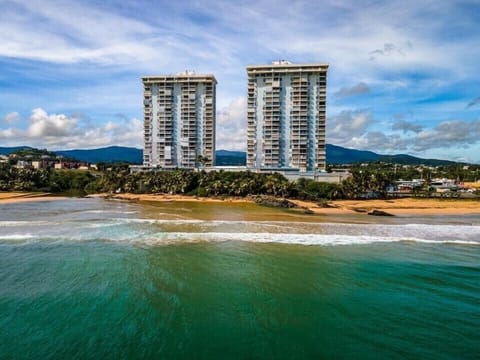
379 213
273 202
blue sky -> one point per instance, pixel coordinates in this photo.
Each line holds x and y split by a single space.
403 75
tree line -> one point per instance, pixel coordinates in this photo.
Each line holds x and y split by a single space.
201 183
213 183
46 180
118 179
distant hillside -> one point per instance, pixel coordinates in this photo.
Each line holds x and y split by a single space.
230 153
404 159
107 154
335 155
14 149
135 156
340 155
230 158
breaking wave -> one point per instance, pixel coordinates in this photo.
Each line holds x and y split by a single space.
298 239
168 238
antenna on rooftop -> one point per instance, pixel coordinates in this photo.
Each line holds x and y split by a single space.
187 72
281 62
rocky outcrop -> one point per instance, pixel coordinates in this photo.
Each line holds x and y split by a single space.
273 201
379 213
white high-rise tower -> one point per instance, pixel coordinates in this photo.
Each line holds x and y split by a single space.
179 120
286 116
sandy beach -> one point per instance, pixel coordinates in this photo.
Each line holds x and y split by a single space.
15 197
167 198
405 206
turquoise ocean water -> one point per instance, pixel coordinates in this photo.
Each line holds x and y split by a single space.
98 279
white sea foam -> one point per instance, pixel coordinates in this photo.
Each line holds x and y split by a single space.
300 223
16 237
163 231
99 225
108 212
300 239
212 222
159 221
426 231
167 238
21 223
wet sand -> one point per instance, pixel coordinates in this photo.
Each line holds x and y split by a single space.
405 206
17 196
173 198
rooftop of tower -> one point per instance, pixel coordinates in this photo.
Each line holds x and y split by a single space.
184 76
287 66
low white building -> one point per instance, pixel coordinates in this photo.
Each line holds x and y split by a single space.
443 185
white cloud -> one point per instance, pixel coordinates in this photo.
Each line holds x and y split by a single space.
12 117
74 32
10 133
231 125
67 32
346 125
379 141
389 50
358 89
406 126
164 34
60 131
43 125
447 134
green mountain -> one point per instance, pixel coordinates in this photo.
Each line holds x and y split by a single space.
13 149
107 154
230 158
340 155
335 155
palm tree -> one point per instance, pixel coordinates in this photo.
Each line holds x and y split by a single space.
202 160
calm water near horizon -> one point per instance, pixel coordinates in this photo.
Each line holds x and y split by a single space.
93 278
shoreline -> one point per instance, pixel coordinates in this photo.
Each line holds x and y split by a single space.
12 197
397 207
169 198
404 206
400 207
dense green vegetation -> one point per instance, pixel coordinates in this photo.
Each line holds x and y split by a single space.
119 179
215 183
366 181
49 180
396 172
34 153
